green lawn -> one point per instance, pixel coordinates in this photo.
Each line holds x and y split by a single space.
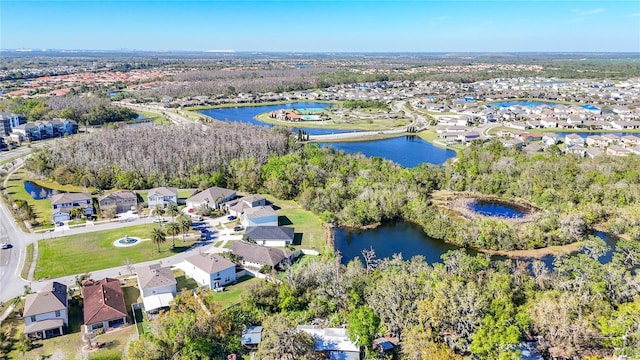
184 282
309 227
342 123
77 254
232 293
431 136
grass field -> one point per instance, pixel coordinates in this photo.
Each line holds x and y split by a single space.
341 124
431 136
305 222
77 254
232 293
27 261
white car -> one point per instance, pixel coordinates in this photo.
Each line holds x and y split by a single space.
159 220
4 245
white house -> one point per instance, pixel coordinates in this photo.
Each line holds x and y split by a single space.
238 206
574 139
61 205
45 313
278 236
257 256
212 197
333 341
259 216
210 270
157 286
162 196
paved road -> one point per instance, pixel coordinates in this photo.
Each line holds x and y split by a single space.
169 113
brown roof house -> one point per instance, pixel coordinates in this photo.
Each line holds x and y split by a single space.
104 306
45 313
212 197
257 256
122 201
157 286
209 270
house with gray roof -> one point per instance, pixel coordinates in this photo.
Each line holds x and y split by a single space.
61 205
209 270
157 286
121 201
257 256
162 196
238 206
45 313
259 216
278 236
212 197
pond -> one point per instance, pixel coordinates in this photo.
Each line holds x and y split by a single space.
410 240
505 104
496 209
407 151
36 191
247 114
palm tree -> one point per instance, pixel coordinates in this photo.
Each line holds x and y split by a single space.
185 224
174 229
172 210
157 211
158 236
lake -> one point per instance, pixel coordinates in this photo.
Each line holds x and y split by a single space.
408 151
410 240
247 114
36 191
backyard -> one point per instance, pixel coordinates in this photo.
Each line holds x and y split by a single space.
309 230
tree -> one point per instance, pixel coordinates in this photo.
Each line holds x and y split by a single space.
76 212
158 236
282 341
157 211
185 224
23 346
363 326
174 229
172 210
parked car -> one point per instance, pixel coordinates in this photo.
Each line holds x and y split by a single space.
231 217
237 228
159 220
4 245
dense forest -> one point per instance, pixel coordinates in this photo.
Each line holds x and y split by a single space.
355 191
462 306
88 110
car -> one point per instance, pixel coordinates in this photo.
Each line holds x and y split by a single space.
159 220
231 217
237 228
60 223
4 245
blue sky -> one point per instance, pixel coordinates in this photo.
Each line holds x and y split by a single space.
324 26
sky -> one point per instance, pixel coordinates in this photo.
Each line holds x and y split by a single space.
323 26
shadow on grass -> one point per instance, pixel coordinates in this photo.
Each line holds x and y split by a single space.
283 221
297 239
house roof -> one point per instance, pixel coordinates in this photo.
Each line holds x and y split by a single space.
210 263
121 194
330 339
269 233
64 198
43 325
164 191
252 335
103 301
157 301
151 276
53 297
212 195
259 212
259 254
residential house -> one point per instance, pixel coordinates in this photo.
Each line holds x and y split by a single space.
209 270
270 235
212 197
162 196
254 255
611 138
515 143
576 149
61 205
8 121
63 127
617 150
45 128
550 138
574 139
122 201
534 148
529 137
468 136
593 152
596 141
157 286
251 337
630 140
28 131
334 343
259 216
238 206
104 307
46 313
